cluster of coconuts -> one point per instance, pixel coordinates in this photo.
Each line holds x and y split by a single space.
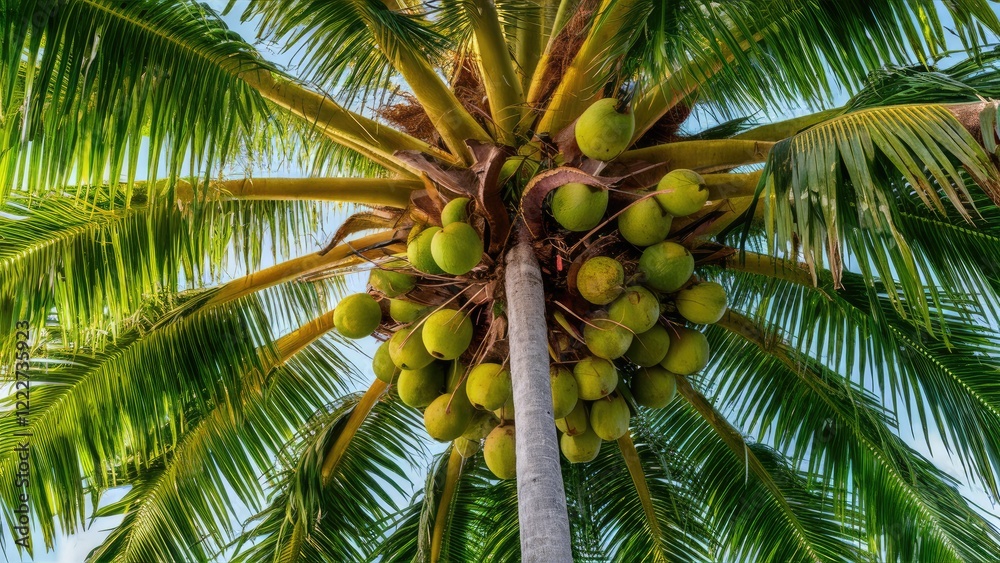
634 338
630 341
422 357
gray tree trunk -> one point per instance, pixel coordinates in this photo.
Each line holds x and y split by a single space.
541 500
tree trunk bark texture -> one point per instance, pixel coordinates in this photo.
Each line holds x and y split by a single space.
541 499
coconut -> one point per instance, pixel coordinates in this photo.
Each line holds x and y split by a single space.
466 448
605 338
609 417
406 348
457 248
456 211
447 417
703 303
456 377
579 207
576 422
565 393
506 412
666 266
653 387
382 364
482 424
595 378
499 452
602 132
357 316
600 280
419 387
649 348
636 308
489 386
447 333
418 251
405 311
390 283
644 222
684 192
582 448
688 352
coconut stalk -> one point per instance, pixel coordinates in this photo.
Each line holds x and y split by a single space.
503 87
541 500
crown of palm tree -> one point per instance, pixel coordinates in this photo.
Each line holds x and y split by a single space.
858 246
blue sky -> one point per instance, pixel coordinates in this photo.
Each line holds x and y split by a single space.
71 549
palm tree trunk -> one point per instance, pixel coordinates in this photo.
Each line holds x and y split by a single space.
541 500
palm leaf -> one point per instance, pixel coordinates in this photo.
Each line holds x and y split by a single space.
831 187
101 77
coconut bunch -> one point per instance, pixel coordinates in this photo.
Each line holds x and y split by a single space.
622 314
624 326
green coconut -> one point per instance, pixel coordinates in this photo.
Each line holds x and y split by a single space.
582 448
600 280
357 316
466 448
650 347
419 387
609 417
576 422
457 248
405 311
447 417
390 283
418 251
456 211
684 192
482 424
636 308
602 132
382 364
595 378
565 393
406 348
703 303
506 412
689 352
579 207
447 333
489 386
666 266
653 387
499 452
605 338
456 377
644 222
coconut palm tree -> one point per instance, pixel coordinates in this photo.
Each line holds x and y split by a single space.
181 321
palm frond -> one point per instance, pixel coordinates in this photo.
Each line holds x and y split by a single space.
745 57
101 75
828 193
307 521
769 386
181 508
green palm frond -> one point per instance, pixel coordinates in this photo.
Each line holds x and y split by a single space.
127 404
749 56
614 507
103 75
936 385
339 49
98 264
307 521
829 193
790 397
221 455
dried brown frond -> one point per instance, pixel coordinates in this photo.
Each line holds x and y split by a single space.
409 116
665 130
564 48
